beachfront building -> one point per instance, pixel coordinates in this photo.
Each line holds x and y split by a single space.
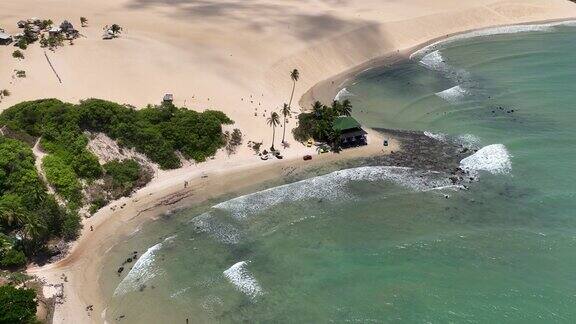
5 39
351 132
168 98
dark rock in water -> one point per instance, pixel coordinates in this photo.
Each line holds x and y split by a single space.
120 270
129 260
141 288
425 153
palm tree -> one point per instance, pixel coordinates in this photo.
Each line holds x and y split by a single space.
83 21
116 29
346 108
294 75
11 211
336 108
285 112
317 109
273 120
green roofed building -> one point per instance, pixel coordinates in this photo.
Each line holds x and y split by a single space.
351 132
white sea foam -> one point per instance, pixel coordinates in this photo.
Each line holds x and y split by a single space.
343 94
179 292
492 158
468 140
434 61
223 232
437 136
143 270
332 186
453 95
513 29
240 277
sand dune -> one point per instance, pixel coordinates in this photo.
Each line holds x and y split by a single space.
231 55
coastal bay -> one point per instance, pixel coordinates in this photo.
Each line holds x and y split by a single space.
255 78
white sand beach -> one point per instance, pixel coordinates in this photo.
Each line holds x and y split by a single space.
229 55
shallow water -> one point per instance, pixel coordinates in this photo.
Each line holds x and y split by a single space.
378 244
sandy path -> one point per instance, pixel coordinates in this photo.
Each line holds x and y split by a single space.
231 55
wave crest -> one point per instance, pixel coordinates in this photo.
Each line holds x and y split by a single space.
331 186
143 270
453 95
240 277
512 29
492 158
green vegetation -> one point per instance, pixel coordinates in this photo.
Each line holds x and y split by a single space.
123 175
319 124
285 113
20 73
116 29
29 216
62 176
233 140
22 43
18 54
157 131
17 305
294 75
273 121
52 41
46 23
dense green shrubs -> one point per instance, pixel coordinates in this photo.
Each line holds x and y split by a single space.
12 259
123 174
29 216
28 212
17 305
318 124
156 131
71 226
61 175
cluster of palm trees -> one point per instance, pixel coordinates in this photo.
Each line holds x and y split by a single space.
274 119
14 216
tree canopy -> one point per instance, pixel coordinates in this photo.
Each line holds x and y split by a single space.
319 123
17 305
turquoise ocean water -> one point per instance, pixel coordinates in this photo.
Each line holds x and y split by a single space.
378 244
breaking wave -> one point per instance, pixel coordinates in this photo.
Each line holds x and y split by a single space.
240 277
221 231
343 94
437 136
453 95
492 158
466 140
513 29
332 186
143 270
435 61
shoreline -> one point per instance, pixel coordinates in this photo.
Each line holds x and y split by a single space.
166 194
328 89
84 259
